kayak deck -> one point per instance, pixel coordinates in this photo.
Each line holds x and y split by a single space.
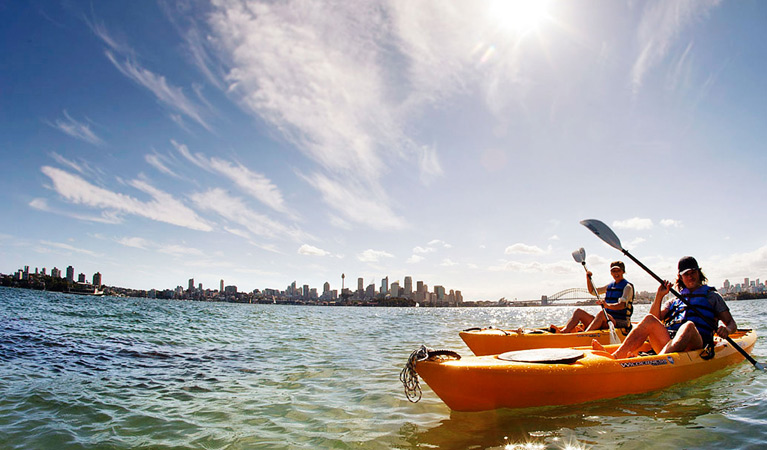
493 341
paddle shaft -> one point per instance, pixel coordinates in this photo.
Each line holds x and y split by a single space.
679 296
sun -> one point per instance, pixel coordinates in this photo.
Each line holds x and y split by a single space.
519 16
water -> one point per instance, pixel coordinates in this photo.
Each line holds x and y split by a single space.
81 372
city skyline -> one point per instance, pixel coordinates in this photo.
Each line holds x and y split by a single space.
748 284
273 141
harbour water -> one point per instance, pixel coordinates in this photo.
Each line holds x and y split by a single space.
87 373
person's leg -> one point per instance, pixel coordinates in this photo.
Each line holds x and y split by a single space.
599 322
648 328
687 338
579 316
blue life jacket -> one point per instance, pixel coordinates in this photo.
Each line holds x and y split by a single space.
612 296
702 314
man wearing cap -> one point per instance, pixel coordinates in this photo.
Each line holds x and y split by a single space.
618 303
677 327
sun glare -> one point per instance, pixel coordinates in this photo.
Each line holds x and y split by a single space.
519 16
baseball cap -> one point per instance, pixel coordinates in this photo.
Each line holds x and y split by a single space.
686 264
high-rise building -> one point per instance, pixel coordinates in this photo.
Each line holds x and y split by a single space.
71 274
56 273
394 290
360 284
97 279
81 278
385 285
408 286
222 287
191 285
326 289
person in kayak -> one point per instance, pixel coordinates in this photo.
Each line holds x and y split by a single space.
675 327
618 303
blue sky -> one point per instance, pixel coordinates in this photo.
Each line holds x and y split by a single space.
459 143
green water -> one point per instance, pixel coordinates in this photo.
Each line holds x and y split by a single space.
80 372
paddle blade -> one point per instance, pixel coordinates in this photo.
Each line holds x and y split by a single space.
579 255
603 232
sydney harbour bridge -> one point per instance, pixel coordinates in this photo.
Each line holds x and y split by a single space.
568 295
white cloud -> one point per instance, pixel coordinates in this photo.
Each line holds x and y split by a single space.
310 250
524 249
420 249
252 183
157 162
166 93
77 130
371 255
415 259
135 242
636 223
236 211
447 262
70 248
162 208
358 204
534 267
671 223
335 72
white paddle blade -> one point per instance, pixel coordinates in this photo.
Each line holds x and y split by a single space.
579 255
603 232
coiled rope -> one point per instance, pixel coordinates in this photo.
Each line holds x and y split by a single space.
409 377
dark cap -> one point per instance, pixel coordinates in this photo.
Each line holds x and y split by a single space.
687 263
618 264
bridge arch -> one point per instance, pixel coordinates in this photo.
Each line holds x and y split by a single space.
572 294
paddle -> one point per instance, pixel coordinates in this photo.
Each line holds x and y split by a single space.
606 234
580 257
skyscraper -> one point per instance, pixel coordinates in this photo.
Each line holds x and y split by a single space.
97 279
71 274
222 286
408 286
191 285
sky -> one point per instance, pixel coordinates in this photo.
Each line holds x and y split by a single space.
459 143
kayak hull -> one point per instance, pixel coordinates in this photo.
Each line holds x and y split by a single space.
478 383
493 341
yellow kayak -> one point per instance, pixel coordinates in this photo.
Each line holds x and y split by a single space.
493 341
574 375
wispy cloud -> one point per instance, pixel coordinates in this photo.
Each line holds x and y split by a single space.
335 72
636 223
371 255
524 249
165 92
311 250
158 162
660 26
69 248
236 211
168 94
77 130
671 223
162 208
250 182
177 250
107 217
356 203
